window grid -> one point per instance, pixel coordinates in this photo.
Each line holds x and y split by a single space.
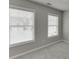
21 27
52 25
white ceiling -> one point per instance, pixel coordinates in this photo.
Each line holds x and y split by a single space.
58 4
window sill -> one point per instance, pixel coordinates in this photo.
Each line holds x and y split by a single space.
20 43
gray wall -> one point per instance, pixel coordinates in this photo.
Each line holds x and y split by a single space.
66 26
41 26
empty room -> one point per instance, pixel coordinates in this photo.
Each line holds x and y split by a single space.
39 29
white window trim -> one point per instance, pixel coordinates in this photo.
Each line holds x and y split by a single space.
53 14
25 9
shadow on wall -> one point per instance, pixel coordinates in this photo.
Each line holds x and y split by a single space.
66 26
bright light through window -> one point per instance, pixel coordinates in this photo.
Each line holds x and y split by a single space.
52 25
21 26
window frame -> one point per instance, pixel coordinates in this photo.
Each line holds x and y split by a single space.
53 14
25 42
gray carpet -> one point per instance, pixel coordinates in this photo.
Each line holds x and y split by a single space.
57 51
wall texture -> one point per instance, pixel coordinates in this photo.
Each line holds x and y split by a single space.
41 26
66 26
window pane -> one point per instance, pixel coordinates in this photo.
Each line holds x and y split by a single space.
52 20
20 34
52 31
52 25
19 17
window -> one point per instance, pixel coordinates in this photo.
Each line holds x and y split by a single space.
52 25
21 26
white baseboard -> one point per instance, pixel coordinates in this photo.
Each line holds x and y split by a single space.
21 54
66 41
